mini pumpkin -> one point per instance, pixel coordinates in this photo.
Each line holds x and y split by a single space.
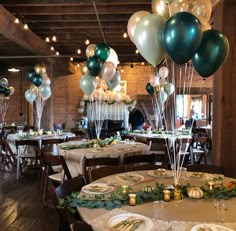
148 189
195 192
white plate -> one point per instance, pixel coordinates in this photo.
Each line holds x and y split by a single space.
199 176
160 173
210 227
97 188
131 177
146 226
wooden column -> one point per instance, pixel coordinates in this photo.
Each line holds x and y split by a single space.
224 103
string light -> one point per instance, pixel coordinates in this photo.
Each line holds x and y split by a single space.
125 35
122 69
57 53
142 63
87 42
17 20
26 27
79 51
136 51
54 38
47 39
71 58
52 48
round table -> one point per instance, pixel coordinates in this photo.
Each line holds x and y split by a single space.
74 157
177 216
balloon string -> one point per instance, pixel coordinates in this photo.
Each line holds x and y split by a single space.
99 22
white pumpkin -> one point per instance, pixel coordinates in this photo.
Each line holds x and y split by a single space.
195 192
148 189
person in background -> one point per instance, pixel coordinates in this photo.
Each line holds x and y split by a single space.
136 118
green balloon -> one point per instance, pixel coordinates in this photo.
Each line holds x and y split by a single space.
149 89
37 80
102 51
114 81
211 54
88 84
7 91
30 74
182 36
148 38
94 65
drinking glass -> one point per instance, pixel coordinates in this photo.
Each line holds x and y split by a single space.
158 209
221 209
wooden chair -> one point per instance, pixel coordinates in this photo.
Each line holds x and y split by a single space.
28 149
8 157
49 173
74 138
199 149
91 164
50 145
132 162
206 168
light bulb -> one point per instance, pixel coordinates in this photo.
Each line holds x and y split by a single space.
52 49
26 27
47 39
87 42
17 20
125 35
142 63
79 51
136 51
71 58
54 38
57 53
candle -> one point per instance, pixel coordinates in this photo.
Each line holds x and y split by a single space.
211 185
132 199
124 189
166 195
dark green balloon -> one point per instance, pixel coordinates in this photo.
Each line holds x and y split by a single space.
182 36
149 89
102 51
2 90
37 80
30 74
94 65
7 91
211 54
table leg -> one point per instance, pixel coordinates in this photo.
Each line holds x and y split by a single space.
18 165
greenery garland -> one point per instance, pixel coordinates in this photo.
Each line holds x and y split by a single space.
96 143
149 193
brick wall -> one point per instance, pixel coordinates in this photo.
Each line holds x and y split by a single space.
66 92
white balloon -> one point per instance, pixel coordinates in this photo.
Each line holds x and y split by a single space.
163 72
108 71
90 50
113 57
81 110
82 103
45 91
117 97
169 88
30 95
154 81
46 80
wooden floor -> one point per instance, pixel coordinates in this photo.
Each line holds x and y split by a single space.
20 207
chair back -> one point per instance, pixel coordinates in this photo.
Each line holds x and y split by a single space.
130 161
50 145
206 168
70 186
50 160
96 162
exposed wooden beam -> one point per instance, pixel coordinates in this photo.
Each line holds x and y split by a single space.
24 38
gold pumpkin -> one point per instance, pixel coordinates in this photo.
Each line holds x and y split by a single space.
195 192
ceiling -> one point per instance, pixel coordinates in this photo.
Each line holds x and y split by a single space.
72 22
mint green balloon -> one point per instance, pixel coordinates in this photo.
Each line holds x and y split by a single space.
148 38
88 84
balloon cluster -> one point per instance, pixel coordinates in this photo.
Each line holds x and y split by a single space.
180 29
159 85
41 83
4 89
102 61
